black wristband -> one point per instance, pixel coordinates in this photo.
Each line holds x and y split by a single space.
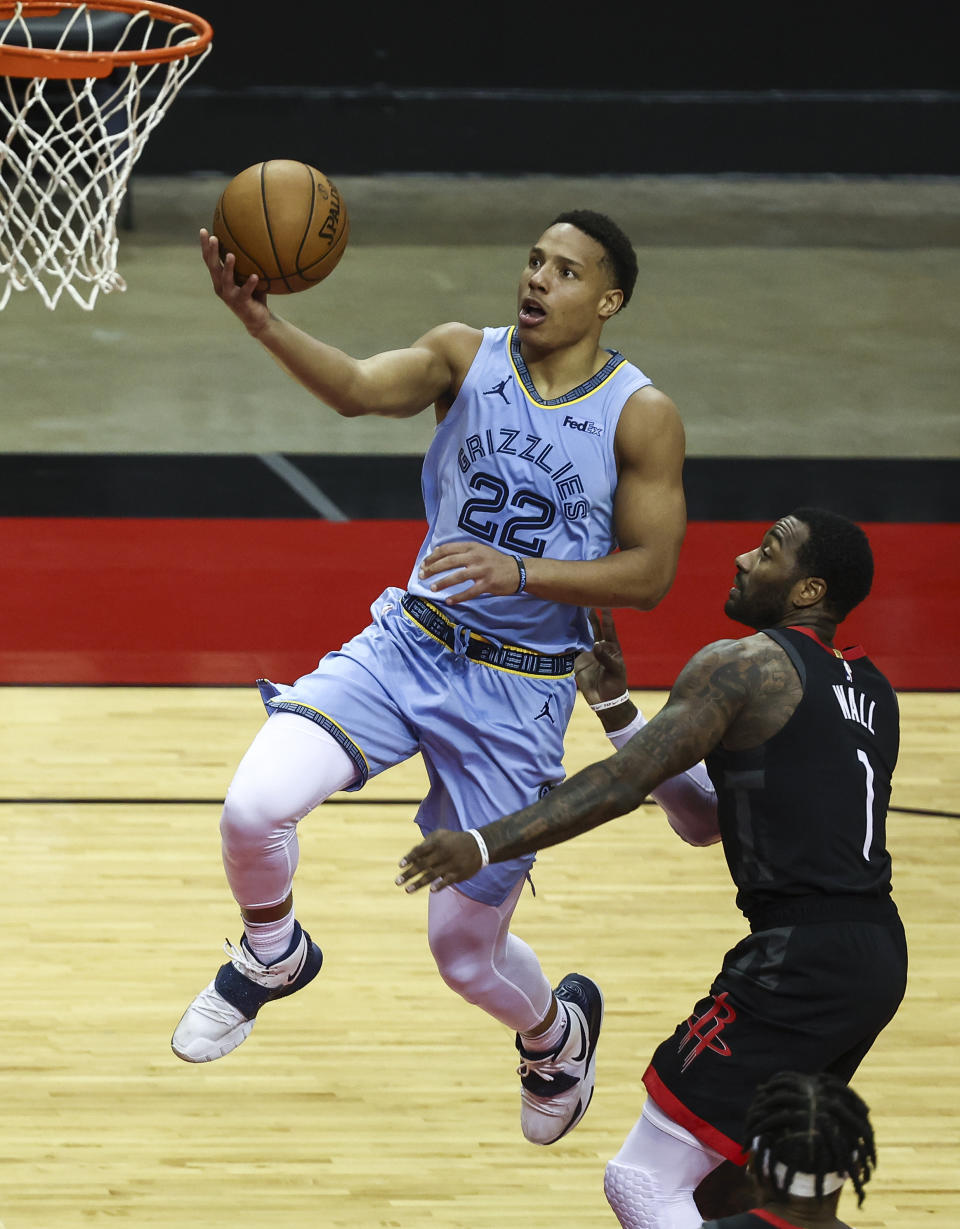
523 575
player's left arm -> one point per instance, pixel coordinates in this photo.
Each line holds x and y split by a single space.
707 698
649 518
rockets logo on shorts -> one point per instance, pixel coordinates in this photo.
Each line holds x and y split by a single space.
704 1031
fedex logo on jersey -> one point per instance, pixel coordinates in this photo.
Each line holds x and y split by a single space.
577 424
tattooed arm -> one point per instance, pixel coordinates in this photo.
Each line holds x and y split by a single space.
712 692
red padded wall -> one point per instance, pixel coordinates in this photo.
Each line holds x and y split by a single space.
224 601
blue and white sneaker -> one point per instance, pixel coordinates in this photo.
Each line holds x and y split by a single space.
222 1016
557 1086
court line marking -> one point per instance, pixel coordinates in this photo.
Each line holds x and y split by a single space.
298 482
191 802
347 802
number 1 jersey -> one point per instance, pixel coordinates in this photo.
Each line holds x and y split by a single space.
804 814
528 477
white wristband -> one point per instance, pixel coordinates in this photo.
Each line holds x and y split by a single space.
482 846
619 737
598 708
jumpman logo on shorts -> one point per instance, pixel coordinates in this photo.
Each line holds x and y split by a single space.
498 388
545 712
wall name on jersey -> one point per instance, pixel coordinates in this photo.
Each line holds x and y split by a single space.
580 424
855 706
508 442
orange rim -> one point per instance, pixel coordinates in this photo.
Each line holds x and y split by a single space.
49 62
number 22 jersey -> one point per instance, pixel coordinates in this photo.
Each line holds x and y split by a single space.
529 477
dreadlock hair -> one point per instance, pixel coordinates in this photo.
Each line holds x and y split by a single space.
837 550
620 255
811 1124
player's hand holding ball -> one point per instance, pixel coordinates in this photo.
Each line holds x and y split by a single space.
279 227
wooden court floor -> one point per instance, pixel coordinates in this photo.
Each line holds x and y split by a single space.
377 1098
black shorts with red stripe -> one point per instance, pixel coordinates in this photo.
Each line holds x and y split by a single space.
756 1219
808 990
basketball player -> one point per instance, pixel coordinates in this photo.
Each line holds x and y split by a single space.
549 453
800 740
806 1135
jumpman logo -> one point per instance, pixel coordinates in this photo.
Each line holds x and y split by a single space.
705 1030
498 388
545 712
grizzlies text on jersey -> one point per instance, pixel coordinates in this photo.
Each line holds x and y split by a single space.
528 477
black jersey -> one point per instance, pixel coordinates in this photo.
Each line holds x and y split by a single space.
756 1219
804 814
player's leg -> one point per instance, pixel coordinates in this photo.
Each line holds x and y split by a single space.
789 998
483 962
652 1179
290 768
725 1191
329 731
499 749
557 1030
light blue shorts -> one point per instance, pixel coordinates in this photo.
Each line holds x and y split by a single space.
491 738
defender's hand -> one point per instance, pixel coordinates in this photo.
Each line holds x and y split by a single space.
600 672
442 859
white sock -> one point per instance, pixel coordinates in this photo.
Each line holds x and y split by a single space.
269 940
551 1037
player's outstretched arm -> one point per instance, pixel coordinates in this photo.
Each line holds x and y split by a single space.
706 699
396 383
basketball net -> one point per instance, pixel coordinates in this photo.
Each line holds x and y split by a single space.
74 119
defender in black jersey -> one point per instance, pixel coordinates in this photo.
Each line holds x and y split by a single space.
800 739
803 812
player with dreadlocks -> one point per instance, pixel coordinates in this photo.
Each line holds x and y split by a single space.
808 1133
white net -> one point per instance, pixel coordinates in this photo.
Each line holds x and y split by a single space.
67 148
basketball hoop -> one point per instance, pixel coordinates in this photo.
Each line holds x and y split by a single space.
82 87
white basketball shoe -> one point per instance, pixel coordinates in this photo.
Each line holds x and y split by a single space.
556 1086
222 1015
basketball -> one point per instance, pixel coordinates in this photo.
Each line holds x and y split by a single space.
284 221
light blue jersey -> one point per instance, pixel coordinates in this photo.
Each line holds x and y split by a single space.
483 690
530 477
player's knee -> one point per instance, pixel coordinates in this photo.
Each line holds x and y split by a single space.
460 971
249 820
639 1200
461 977
461 961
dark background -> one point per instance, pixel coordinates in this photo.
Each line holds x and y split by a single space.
776 45
779 88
